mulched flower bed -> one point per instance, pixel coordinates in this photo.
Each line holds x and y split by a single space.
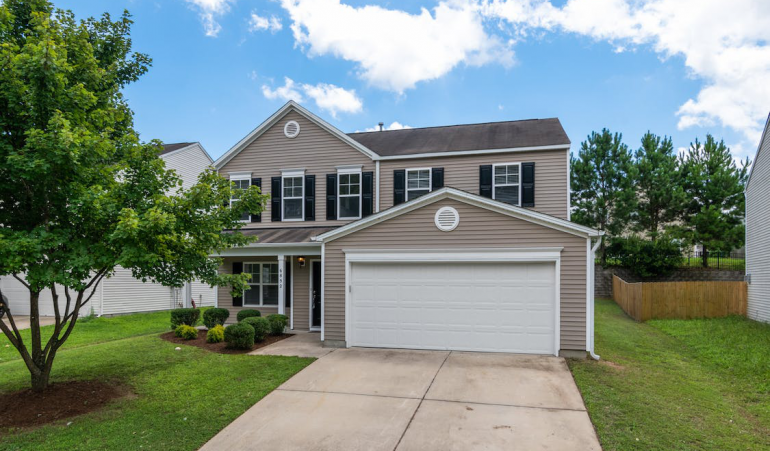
221 348
62 400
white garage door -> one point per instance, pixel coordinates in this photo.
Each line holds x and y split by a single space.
493 307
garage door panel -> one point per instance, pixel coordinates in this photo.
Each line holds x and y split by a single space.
507 307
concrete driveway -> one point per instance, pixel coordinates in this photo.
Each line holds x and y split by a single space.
379 399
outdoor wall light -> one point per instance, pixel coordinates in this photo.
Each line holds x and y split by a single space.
301 261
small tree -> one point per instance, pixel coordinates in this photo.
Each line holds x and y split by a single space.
602 185
79 193
713 185
660 197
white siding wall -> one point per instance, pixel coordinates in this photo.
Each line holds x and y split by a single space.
188 163
758 234
124 294
18 298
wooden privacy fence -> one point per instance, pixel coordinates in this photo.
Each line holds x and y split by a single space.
679 300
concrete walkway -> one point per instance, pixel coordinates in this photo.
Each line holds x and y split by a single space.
381 399
300 345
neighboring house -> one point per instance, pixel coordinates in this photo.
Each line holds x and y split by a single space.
452 237
121 293
758 231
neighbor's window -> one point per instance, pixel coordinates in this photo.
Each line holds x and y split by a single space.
293 193
349 196
417 183
264 284
506 183
239 185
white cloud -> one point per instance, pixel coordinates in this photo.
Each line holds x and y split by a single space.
209 11
393 126
723 43
259 23
328 97
395 50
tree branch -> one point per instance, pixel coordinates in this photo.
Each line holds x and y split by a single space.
16 276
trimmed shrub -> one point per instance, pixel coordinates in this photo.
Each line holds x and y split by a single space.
215 316
216 334
261 327
646 258
187 316
186 332
239 336
248 313
278 323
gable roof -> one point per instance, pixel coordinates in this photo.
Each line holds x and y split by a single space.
178 147
532 133
468 198
765 132
283 111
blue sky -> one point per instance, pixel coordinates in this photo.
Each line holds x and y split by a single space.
219 66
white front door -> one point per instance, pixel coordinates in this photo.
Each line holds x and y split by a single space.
467 306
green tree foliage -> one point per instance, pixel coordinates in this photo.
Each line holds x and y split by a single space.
644 257
715 207
80 194
602 185
660 196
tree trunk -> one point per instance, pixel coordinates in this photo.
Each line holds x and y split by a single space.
40 379
603 251
704 257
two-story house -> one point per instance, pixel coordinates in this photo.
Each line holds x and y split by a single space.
453 237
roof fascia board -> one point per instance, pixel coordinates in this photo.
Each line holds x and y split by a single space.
278 115
759 149
460 153
451 193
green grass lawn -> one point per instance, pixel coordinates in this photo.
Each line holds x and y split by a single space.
677 384
92 330
183 398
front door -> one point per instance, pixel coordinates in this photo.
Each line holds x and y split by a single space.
315 290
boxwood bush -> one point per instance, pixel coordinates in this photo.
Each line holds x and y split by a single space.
248 313
239 336
215 316
278 323
186 332
187 316
261 327
216 334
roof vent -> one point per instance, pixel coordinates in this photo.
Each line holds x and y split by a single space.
447 219
291 129
382 125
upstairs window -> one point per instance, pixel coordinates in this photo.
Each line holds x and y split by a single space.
418 182
349 197
263 284
506 185
238 185
293 195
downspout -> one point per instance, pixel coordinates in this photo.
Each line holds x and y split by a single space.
592 300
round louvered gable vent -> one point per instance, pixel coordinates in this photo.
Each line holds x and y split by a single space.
291 129
447 219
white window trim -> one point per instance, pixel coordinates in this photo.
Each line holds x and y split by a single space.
495 185
240 176
260 285
350 171
406 181
288 175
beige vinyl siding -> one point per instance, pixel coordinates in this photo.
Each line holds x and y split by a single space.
758 235
478 228
462 172
315 150
188 164
301 287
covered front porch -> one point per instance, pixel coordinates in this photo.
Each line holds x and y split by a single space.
286 271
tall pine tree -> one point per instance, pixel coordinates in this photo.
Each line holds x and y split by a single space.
715 206
660 197
602 185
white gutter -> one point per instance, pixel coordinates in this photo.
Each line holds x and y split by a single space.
591 300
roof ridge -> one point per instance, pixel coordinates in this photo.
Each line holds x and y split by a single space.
456 125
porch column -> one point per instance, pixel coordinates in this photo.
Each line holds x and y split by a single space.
281 284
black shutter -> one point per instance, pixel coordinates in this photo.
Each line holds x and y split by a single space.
485 181
331 197
399 186
258 184
309 198
237 269
367 194
527 184
275 200
436 178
